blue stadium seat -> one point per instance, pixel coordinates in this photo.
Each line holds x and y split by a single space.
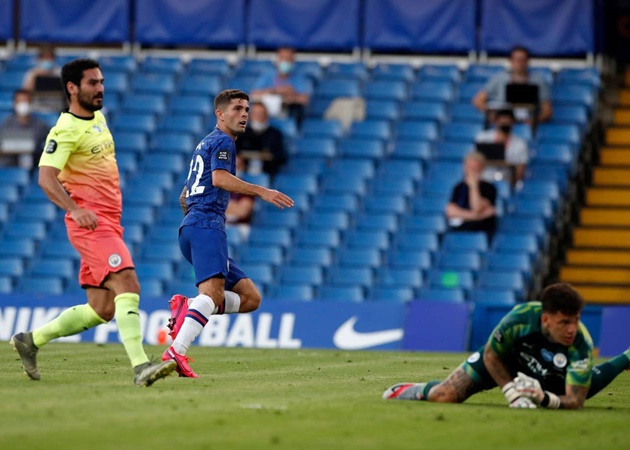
440 294
277 218
25 230
162 252
255 66
253 254
164 162
393 185
506 242
11 267
425 111
338 88
389 169
461 131
127 163
303 183
452 151
290 292
36 211
526 225
468 90
116 64
433 91
153 83
481 72
355 71
139 215
261 274
401 72
6 285
440 73
340 294
351 168
359 258
554 154
116 82
434 223
417 130
411 150
502 280
130 141
350 185
202 85
350 276
245 83
338 220
574 115
450 279
465 241
318 238
286 125
11 80
155 270
9 193
371 129
506 262
459 260
532 208
573 94
385 90
180 143
144 123
312 276
183 123
14 176
41 285
494 296
144 103
308 256
326 128
20 248
391 294
337 201
420 259
190 104
382 110
562 134
367 239
417 241
59 268
410 277
384 203
151 288
270 236
465 112
369 221
319 147
162 66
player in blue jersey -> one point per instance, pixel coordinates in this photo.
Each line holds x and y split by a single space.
223 287
540 354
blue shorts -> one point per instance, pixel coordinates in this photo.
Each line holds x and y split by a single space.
207 250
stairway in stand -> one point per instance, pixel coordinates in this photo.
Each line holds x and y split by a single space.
598 263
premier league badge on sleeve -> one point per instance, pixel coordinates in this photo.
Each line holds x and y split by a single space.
51 146
223 155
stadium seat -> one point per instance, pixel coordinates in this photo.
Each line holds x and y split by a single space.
183 123
326 238
20 248
310 256
152 288
410 277
41 285
558 133
155 270
312 275
369 221
324 128
371 129
359 258
465 112
510 242
340 294
433 91
329 89
461 131
454 259
11 267
385 90
144 103
59 268
367 239
410 258
336 201
494 296
411 150
417 241
434 223
161 251
270 236
25 230
277 218
338 220
382 110
14 176
502 280
190 104
450 279
350 276
304 183
400 72
417 131
200 85
385 203
506 262
6 285
290 293
442 295
315 147
36 211
144 123
253 254
161 66
391 294
465 241
261 274
425 111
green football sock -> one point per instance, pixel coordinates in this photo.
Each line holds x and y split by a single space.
603 374
427 389
71 321
128 321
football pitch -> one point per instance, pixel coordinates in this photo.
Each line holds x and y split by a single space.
277 399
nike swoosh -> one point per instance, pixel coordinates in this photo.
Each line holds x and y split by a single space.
132 312
347 338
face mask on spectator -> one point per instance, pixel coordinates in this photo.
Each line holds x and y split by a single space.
505 128
285 67
257 126
46 64
22 108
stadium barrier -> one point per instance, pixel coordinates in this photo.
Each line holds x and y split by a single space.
417 326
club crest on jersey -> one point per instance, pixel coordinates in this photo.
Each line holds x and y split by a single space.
114 260
560 360
223 155
51 146
97 128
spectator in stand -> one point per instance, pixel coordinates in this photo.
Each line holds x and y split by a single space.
45 66
262 142
516 149
494 90
240 209
292 90
471 207
22 135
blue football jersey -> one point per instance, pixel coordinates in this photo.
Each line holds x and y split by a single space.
206 203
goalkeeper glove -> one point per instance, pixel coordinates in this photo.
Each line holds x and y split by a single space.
529 387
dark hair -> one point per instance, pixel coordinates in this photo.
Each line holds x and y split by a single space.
561 297
22 92
224 98
505 112
73 72
520 48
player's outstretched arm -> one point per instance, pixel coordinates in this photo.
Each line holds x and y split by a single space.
49 183
226 181
574 397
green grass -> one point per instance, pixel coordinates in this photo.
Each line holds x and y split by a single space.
277 399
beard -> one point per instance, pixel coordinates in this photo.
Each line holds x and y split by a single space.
89 102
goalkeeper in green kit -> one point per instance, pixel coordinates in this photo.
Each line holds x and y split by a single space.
540 355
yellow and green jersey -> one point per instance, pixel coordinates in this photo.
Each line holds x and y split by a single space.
520 343
83 150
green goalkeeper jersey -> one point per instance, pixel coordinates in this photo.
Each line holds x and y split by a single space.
519 342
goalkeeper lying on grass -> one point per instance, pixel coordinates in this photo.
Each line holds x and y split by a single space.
540 354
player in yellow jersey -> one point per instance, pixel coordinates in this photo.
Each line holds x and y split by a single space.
78 173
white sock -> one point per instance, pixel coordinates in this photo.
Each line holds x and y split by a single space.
199 309
232 303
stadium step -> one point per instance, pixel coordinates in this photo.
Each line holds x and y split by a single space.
607 197
604 294
597 257
615 156
604 176
622 116
601 237
605 217
595 275
624 97
618 136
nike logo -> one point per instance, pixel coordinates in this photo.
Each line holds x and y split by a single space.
132 312
347 338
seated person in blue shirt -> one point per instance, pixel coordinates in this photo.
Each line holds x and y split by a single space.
292 89
494 90
471 207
